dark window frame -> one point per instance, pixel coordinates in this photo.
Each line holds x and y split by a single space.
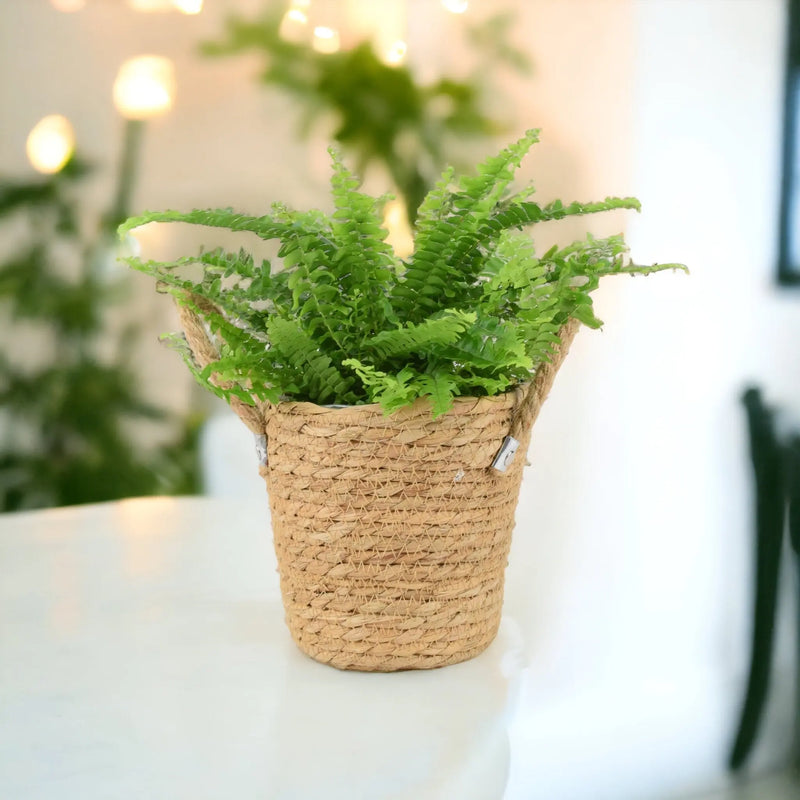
789 239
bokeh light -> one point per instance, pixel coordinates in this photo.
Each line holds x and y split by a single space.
294 25
396 53
188 6
456 6
145 87
50 144
326 40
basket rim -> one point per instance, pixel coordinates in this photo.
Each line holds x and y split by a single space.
419 407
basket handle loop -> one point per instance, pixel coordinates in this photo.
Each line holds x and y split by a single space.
534 395
205 352
255 417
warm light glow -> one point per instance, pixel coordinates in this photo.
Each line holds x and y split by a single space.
293 25
184 6
396 53
151 5
395 220
50 144
145 87
456 6
301 3
188 6
326 40
68 6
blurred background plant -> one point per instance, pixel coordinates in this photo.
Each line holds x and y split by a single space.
384 114
72 422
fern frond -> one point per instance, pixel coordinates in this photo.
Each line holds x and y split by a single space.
481 193
490 344
243 368
391 391
509 268
411 339
228 279
266 227
365 265
440 387
314 373
337 320
441 270
521 213
436 205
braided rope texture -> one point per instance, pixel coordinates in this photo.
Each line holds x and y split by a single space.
392 533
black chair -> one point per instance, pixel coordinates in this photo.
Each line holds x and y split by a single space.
776 471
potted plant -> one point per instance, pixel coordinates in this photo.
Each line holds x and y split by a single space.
389 394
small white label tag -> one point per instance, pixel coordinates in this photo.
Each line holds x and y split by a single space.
261 449
505 456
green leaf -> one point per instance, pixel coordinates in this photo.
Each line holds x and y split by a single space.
409 339
440 387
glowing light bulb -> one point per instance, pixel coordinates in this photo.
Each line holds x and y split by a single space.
68 6
188 6
293 25
456 6
396 53
145 87
50 144
326 40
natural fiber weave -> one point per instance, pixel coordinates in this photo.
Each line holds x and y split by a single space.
392 533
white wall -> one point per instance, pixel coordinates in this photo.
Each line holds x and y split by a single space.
643 521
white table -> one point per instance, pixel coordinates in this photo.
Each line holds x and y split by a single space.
143 655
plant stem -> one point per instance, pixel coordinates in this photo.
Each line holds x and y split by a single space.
126 174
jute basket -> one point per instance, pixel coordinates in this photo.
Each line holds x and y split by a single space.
392 533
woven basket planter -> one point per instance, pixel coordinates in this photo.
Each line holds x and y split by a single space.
392 533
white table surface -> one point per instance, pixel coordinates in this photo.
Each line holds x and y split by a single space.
143 655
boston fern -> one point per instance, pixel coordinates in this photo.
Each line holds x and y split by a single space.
343 320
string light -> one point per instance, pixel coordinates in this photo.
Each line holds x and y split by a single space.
396 53
50 144
293 25
145 87
297 15
326 40
456 6
188 6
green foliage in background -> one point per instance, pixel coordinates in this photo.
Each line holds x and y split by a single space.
383 114
65 435
343 320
